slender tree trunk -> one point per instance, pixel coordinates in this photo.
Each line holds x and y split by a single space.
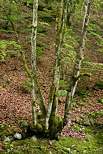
33 59
32 75
59 43
35 85
77 67
53 98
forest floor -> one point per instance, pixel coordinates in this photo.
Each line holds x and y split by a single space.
15 99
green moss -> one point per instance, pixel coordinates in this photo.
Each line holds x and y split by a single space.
5 147
56 125
69 144
40 115
14 132
29 146
36 129
4 127
5 134
92 144
39 127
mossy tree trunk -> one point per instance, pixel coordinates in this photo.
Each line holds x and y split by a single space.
60 29
35 85
48 123
33 59
77 68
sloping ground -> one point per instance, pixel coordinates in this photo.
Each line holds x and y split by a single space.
15 101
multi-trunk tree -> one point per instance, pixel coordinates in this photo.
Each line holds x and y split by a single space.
48 122
51 123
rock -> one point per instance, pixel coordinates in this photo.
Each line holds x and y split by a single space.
33 138
18 136
51 142
7 139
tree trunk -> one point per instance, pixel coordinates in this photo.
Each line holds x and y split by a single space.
33 59
35 85
77 67
53 98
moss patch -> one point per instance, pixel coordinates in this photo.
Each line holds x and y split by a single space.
74 145
91 145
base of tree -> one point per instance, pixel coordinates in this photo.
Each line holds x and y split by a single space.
54 131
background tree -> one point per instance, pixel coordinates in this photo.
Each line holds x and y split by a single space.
10 13
78 63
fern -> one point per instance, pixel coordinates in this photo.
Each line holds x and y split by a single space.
44 23
62 93
4 48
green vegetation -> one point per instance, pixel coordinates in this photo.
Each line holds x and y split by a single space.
45 16
16 17
14 49
73 145
92 144
26 86
101 101
40 48
99 85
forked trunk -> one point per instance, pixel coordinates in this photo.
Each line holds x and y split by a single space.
60 29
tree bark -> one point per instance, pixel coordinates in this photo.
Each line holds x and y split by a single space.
53 98
77 67
33 59
35 85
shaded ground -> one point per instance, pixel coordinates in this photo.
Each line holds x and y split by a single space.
15 102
